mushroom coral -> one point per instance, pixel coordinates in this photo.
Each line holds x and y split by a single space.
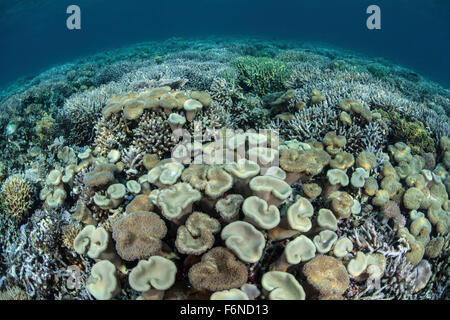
102 175
264 157
218 270
342 160
165 173
298 163
327 220
325 240
232 294
96 243
334 143
300 249
139 203
417 248
341 203
312 190
412 198
342 247
213 180
337 177
400 151
357 265
366 160
229 207
298 216
242 171
244 240
359 177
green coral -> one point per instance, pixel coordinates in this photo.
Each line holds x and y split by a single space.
261 75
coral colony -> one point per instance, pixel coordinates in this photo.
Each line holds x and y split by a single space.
225 169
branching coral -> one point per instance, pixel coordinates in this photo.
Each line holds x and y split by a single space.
260 75
82 110
153 134
17 195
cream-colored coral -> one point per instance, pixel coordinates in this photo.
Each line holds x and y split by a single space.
17 195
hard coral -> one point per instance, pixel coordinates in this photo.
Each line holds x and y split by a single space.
218 270
17 196
261 75
327 274
138 235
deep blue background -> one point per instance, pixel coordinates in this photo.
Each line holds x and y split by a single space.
33 34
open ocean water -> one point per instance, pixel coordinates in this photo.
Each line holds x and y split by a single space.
224 150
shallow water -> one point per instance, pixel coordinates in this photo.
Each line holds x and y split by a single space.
288 142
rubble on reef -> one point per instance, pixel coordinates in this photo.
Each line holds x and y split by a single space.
225 170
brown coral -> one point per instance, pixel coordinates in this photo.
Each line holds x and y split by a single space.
297 163
327 275
153 134
218 270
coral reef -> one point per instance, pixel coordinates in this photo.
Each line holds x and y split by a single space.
123 179
17 195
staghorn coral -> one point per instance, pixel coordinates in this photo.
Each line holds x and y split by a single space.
247 110
33 259
81 112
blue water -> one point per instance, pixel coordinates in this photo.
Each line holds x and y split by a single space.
33 34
